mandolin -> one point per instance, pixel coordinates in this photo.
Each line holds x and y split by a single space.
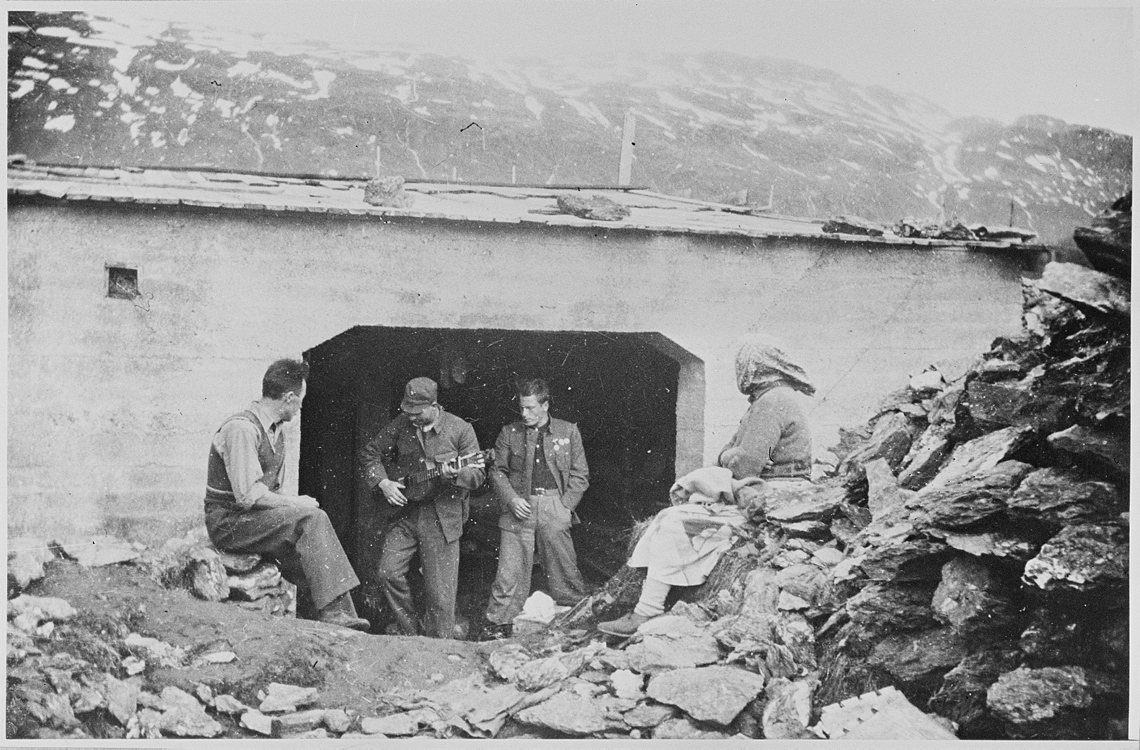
420 482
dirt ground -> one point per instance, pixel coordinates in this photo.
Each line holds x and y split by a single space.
351 670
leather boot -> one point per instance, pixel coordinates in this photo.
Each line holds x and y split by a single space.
623 626
342 612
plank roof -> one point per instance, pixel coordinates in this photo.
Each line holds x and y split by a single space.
499 204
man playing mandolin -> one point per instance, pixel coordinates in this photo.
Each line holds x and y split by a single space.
423 443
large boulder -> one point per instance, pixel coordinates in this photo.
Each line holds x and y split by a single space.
714 694
1088 289
1106 449
281 698
787 712
184 716
917 661
989 544
656 654
926 456
1056 637
980 455
568 713
1060 498
890 440
962 503
27 556
1085 557
1030 696
262 580
190 563
883 492
807 583
971 598
884 608
993 406
962 695
812 503
905 557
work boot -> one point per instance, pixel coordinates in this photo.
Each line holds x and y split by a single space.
623 626
490 631
345 620
342 612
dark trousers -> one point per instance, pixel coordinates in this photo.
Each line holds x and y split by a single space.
439 559
299 538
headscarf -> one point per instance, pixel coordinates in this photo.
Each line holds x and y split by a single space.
762 363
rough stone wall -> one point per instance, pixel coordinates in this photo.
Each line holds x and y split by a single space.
112 402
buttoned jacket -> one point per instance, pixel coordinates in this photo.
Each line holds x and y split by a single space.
562 447
453 437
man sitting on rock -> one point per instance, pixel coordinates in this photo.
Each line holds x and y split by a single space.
245 512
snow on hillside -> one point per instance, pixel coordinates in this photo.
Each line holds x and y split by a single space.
91 90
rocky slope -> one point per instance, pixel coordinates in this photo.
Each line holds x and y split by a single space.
91 91
988 576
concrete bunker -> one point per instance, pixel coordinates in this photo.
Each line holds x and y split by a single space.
638 399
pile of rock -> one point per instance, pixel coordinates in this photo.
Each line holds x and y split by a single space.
189 562
736 657
669 682
54 694
193 563
987 575
970 550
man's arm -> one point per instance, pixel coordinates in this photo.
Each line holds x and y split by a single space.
381 448
371 459
237 444
579 478
501 470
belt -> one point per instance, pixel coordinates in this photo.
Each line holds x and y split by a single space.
544 491
793 469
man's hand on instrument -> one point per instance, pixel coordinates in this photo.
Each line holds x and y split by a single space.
391 490
448 470
520 507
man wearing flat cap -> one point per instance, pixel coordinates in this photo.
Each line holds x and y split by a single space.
422 438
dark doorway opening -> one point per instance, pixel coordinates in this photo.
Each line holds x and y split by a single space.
626 392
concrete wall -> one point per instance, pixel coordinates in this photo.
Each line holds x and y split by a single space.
112 402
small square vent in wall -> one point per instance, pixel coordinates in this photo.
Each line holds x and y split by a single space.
122 283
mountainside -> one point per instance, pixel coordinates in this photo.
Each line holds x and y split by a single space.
91 91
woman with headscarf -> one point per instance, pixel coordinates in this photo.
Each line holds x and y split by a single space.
683 543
